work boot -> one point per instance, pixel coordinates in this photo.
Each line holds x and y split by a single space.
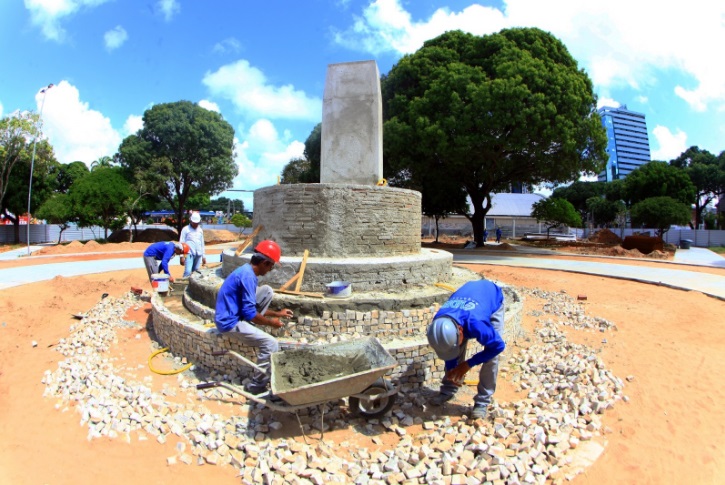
255 389
440 399
479 412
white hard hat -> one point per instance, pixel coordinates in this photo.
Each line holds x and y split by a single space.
443 337
195 217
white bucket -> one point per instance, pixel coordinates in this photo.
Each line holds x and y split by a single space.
339 289
160 282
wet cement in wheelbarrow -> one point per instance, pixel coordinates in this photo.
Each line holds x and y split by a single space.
301 368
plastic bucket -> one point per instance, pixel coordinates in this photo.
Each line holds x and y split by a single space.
160 282
339 289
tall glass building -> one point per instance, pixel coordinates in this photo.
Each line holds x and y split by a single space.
628 142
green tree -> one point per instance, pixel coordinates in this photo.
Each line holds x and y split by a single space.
578 194
658 179
306 169
241 221
707 174
555 212
15 202
604 212
104 161
181 151
661 213
69 173
486 112
17 133
57 210
295 171
226 205
102 198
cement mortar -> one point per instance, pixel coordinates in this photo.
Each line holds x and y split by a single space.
303 367
388 273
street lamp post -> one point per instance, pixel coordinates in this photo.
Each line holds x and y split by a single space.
32 159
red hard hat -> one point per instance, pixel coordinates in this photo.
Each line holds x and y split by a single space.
185 247
270 249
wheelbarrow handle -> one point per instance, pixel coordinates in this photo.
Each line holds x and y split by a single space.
208 385
246 361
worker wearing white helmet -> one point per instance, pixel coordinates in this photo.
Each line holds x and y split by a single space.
193 235
474 311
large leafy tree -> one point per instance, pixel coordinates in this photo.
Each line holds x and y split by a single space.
45 169
661 213
69 173
485 112
658 179
579 193
102 197
555 212
17 133
306 169
182 150
57 210
707 174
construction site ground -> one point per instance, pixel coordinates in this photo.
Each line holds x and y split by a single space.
669 341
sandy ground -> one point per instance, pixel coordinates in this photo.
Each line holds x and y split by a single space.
670 342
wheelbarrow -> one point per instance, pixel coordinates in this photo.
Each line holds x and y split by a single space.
310 375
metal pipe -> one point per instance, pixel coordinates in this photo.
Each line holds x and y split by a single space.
39 127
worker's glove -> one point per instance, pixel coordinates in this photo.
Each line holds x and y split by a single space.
457 374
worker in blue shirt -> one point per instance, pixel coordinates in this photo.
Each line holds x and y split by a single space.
474 311
157 256
242 307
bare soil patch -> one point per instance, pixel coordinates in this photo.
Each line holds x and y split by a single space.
670 343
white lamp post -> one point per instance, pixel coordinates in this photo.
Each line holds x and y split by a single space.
32 159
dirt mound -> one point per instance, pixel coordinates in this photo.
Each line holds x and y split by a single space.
148 235
215 236
505 247
605 236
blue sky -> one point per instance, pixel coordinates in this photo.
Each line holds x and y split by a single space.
262 65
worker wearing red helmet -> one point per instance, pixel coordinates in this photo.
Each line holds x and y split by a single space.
242 307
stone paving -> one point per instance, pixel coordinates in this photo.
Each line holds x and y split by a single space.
548 435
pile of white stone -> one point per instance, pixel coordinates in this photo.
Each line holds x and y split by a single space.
564 390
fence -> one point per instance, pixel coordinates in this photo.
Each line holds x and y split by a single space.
49 233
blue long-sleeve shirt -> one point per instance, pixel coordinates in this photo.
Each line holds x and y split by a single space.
162 251
471 306
237 299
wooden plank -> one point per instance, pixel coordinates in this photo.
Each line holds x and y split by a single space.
301 272
248 240
301 293
289 282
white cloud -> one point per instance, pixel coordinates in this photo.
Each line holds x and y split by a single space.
261 155
386 27
210 105
48 14
227 45
168 8
247 88
671 145
609 102
132 125
76 131
115 38
620 43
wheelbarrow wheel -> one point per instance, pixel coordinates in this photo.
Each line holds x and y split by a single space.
376 407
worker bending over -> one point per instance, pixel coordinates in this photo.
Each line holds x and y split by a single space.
474 311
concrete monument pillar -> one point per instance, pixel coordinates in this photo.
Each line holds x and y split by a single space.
352 125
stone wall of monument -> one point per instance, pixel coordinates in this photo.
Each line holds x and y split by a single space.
339 220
